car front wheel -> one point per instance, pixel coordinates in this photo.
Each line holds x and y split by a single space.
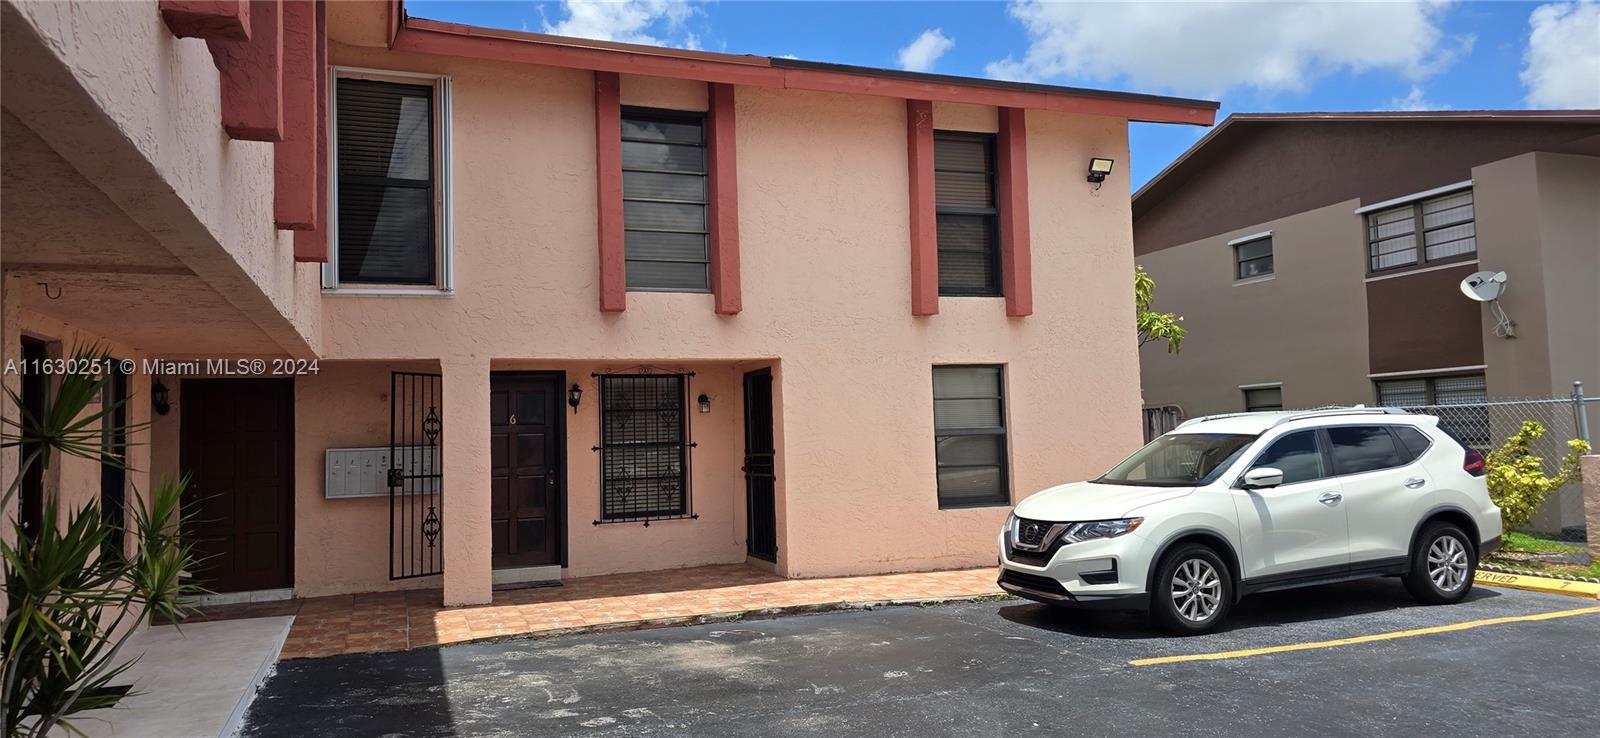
1443 563
1192 590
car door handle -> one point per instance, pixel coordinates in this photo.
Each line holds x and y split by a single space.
1330 498
1415 482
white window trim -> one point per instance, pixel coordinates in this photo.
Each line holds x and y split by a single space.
1404 199
1251 237
1451 265
1260 385
445 175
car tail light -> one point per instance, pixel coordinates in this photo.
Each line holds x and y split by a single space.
1474 463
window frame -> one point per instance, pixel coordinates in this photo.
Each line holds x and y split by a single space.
686 445
667 115
1247 389
1004 497
990 214
1238 262
1419 231
443 282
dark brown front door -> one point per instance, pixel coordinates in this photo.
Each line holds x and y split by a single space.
237 448
527 433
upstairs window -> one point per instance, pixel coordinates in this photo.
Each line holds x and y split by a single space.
1252 258
968 219
1445 223
390 216
664 200
969 430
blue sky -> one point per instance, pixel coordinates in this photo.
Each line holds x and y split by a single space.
1426 54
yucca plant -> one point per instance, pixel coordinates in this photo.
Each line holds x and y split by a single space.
67 600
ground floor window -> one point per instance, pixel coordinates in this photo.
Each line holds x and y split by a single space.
1263 399
970 436
1457 400
644 447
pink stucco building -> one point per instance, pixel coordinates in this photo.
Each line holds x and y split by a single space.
533 307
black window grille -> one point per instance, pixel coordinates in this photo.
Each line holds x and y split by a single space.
664 201
385 152
969 430
644 447
968 220
1252 258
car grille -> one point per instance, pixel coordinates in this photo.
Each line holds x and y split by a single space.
1033 582
1032 532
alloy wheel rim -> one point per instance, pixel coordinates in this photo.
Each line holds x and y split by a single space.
1196 590
1447 563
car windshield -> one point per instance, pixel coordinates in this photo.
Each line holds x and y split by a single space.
1179 460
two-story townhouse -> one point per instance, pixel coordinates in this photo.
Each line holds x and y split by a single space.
590 307
1317 259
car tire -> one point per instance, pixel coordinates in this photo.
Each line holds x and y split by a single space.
1443 562
1192 590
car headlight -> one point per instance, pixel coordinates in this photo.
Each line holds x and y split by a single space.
1100 529
1011 524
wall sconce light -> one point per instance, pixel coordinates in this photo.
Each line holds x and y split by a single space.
574 396
1098 169
705 402
160 398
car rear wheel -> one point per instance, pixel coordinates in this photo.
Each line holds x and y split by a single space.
1192 591
1443 563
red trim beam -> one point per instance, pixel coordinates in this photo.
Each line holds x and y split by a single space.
251 76
225 20
1011 168
312 245
924 218
722 164
608 191
295 157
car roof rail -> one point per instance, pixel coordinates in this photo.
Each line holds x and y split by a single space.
1302 415
1329 412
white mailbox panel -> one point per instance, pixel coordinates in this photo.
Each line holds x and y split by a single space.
364 472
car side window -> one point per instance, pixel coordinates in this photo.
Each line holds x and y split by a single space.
1363 448
1297 455
1414 441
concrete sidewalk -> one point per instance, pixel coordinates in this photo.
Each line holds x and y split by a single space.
192 683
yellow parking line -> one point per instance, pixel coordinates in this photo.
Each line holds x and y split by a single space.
1364 639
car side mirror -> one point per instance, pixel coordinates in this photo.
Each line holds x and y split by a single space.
1261 478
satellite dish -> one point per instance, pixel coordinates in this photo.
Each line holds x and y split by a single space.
1488 287
1484 286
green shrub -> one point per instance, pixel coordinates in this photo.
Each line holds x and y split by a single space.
1517 482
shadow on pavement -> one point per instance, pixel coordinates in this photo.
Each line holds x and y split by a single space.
1272 609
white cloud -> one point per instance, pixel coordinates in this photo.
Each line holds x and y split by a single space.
1208 48
1561 68
1415 100
921 53
629 21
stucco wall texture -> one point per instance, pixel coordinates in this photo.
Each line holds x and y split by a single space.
824 244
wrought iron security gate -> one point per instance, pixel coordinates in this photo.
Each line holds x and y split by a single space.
416 490
761 513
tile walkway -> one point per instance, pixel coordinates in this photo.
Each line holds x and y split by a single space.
391 621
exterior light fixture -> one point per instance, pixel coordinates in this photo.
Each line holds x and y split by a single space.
160 398
574 396
1099 168
705 402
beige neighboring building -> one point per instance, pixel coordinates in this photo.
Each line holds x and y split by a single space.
532 307
1317 258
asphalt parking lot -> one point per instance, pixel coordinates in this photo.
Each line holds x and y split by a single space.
1503 662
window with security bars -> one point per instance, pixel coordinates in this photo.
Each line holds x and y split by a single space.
969 430
1261 399
1252 258
968 219
644 447
1466 415
385 154
664 201
1445 223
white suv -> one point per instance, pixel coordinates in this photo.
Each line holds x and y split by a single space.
1230 505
